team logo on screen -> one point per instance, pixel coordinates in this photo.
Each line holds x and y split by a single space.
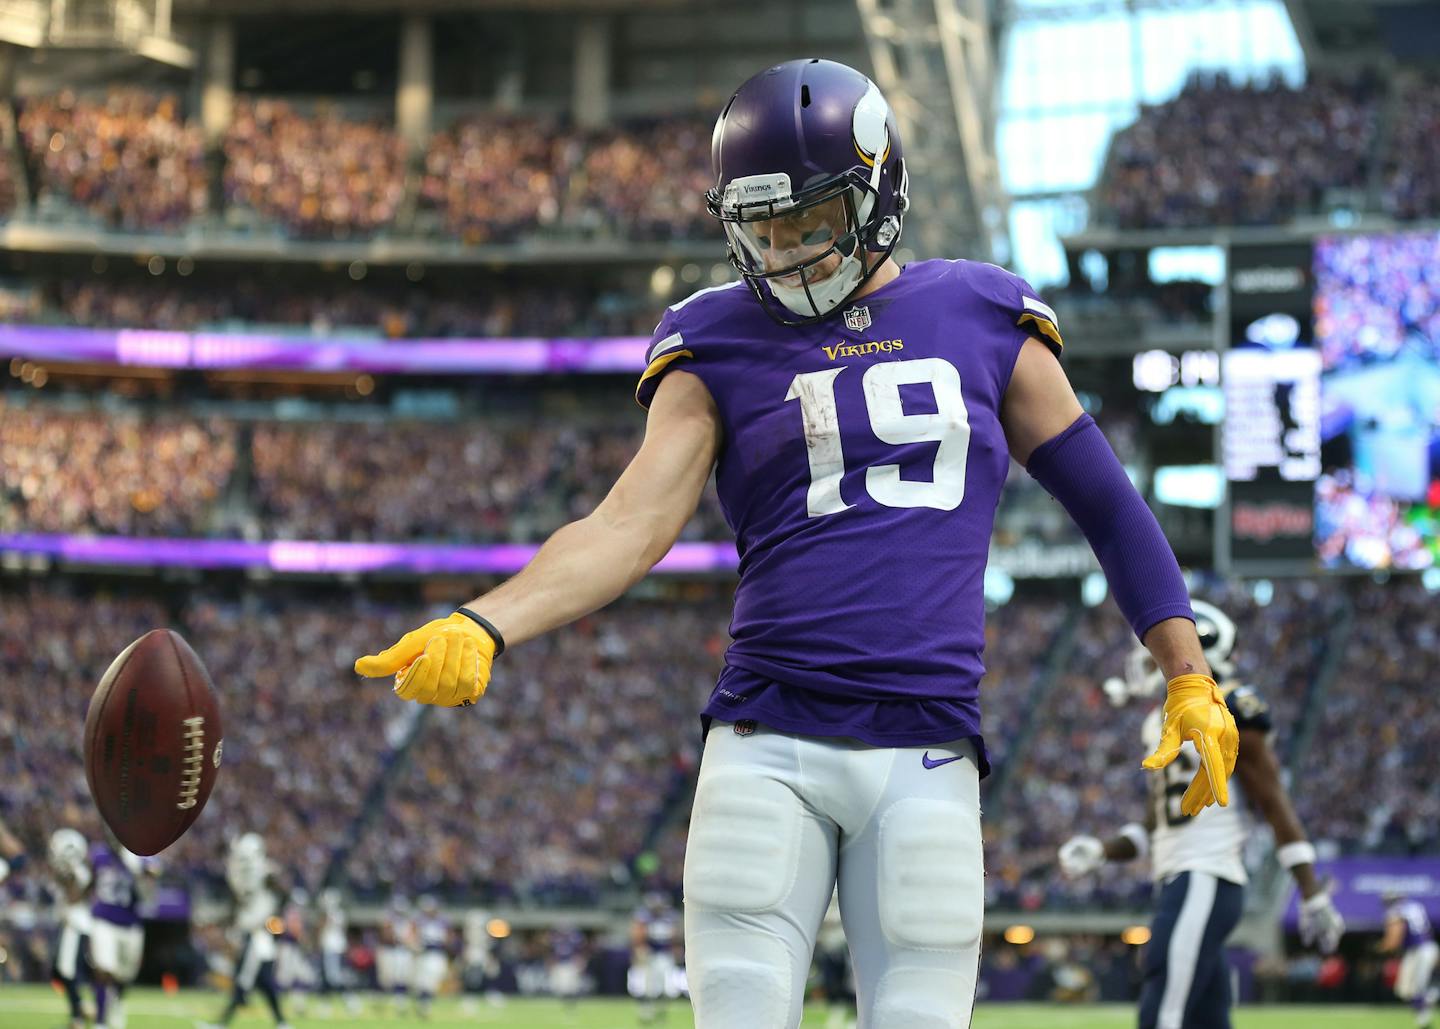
857 319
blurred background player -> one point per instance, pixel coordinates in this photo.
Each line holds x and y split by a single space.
1197 860
432 962
117 939
654 934
1408 933
72 877
481 962
256 912
334 943
567 964
395 957
294 974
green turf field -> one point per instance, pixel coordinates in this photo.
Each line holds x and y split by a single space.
37 1007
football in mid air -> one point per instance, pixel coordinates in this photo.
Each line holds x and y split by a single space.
153 741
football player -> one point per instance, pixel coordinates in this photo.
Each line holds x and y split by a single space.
294 974
1197 859
334 942
432 936
481 960
567 965
1408 932
117 940
654 932
67 857
254 924
860 419
395 958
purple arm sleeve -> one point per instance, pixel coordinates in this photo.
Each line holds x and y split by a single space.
1079 469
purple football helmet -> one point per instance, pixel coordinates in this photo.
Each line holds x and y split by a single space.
810 185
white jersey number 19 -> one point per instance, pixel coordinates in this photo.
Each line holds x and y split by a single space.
948 425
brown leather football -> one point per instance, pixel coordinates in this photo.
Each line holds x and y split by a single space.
153 741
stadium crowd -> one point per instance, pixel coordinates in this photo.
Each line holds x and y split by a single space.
131 159
486 309
316 173
1381 705
99 472
134 160
110 473
1412 168
1225 153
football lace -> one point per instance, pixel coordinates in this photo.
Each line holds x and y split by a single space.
191 763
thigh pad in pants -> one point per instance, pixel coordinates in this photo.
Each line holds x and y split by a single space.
744 848
932 880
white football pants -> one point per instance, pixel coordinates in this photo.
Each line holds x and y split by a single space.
777 818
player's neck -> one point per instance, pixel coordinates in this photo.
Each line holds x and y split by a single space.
887 273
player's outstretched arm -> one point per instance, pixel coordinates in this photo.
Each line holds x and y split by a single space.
1321 924
1063 449
582 567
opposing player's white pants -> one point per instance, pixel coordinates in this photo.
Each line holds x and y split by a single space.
430 967
116 949
777 818
1416 969
652 975
394 968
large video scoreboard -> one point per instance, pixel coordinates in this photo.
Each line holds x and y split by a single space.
1331 437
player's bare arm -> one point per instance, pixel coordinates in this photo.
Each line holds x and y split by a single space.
1394 937
1258 772
1048 431
582 567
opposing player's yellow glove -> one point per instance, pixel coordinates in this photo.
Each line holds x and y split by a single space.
444 662
1196 711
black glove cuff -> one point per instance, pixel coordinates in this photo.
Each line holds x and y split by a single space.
493 632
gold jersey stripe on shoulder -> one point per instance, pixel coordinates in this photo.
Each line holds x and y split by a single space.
656 367
1043 324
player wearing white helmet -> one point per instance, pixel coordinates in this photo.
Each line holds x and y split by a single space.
67 857
256 914
1409 933
1196 859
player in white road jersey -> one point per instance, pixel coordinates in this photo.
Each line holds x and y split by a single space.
1408 932
70 868
1196 860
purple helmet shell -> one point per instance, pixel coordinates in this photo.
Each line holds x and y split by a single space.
798 135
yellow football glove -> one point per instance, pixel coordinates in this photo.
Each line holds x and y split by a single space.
444 662
1196 711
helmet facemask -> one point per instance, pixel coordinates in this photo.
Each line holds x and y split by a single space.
804 256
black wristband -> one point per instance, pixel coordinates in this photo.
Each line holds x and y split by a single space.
493 632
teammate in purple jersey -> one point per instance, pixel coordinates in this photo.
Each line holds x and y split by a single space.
860 419
1409 934
117 939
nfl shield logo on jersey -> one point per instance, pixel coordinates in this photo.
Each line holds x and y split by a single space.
857 318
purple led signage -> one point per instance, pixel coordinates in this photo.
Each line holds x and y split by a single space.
505 356
315 556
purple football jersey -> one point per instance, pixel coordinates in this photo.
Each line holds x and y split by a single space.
862 463
116 899
1418 930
